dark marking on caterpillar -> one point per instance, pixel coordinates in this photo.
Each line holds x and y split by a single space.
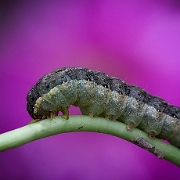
141 142
98 94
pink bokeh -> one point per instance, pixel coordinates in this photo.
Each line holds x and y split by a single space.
138 42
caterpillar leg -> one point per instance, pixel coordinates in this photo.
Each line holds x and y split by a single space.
65 113
130 126
151 134
51 115
110 117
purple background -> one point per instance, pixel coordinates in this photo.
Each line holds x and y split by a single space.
138 42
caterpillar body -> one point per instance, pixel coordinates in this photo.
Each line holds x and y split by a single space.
98 94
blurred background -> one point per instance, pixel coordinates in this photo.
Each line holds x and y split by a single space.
137 41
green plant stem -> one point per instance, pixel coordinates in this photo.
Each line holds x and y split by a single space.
58 125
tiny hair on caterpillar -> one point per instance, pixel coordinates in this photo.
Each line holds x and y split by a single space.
98 94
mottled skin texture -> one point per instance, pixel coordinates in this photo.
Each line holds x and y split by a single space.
98 94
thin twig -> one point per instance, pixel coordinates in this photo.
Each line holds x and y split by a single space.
58 125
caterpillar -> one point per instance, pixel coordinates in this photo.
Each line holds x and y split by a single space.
98 94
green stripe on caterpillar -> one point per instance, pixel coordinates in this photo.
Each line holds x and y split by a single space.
98 94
